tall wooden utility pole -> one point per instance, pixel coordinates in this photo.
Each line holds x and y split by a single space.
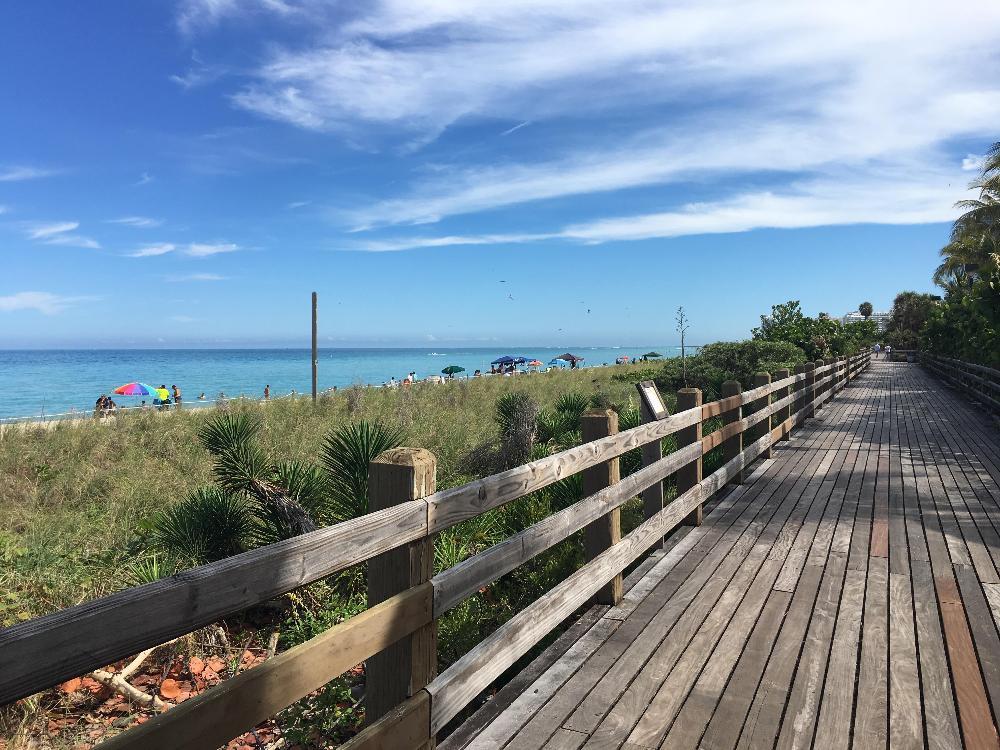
315 359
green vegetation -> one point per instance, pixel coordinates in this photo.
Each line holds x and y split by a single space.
818 337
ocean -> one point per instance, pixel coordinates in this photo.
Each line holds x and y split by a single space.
42 383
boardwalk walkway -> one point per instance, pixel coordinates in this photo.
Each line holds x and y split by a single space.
846 595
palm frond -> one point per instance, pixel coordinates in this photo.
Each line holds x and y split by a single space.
345 457
209 525
225 432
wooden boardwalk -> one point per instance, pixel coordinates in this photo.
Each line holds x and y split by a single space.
846 595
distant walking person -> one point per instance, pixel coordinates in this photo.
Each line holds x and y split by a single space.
177 396
267 392
888 351
877 348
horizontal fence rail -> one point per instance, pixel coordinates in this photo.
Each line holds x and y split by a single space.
40 653
980 381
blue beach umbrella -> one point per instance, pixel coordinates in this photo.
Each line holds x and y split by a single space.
558 363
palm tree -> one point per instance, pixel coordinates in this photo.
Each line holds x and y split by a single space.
983 213
866 309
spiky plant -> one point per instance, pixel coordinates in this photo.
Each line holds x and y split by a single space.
516 415
572 404
209 525
242 467
345 457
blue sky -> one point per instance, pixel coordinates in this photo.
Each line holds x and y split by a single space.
466 171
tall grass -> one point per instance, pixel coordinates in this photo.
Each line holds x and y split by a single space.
75 498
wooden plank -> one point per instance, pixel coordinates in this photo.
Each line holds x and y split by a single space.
565 739
652 496
449 507
732 443
906 726
871 717
690 475
214 717
977 725
406 727
514 704
983 630
836 707
455 584
43 652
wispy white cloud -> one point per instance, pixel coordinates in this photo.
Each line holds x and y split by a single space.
517 127
197 277
298 204
60 233
43 302
149 251
183 319
144 179
203 250
139 222
196 14
21 173
891 196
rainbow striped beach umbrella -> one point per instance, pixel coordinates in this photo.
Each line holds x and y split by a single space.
136 389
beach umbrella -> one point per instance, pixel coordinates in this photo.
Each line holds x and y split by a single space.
652 354
570 357
136 389
534 363
558 363
504 360
452 369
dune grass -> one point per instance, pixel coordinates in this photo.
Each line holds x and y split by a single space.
72 497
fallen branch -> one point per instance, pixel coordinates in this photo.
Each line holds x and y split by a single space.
272 644
117 683
120 684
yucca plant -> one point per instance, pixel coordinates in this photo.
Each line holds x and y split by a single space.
209 525
242 467
345 457
516 415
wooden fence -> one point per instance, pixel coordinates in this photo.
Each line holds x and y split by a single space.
982 383
407 703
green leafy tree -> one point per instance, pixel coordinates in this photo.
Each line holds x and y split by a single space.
910 311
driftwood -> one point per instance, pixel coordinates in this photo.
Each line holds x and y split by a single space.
120 684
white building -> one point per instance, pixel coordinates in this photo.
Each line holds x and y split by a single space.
881 318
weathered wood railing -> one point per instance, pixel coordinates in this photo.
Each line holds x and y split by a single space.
407 704
983 383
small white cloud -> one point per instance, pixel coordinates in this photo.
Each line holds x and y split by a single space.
972 163
42 231
298 204
59 233
149 251
139 222
18 174
4 209
197 277
43 302
517 127
144 179
182 319
203 250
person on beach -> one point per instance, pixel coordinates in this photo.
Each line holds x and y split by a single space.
267 392
177 395
477 374
201 396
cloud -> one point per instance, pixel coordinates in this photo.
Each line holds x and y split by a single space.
60 233
139 222
4 209
183 319
973 163
197 14
888 196
144 179
517 127
197 277
298 204
43 302
18 174
203 250
148 251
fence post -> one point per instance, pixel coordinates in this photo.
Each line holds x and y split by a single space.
763 427
652 496
607 530
400 671
690 475
818 389
810 389
732 447
784 413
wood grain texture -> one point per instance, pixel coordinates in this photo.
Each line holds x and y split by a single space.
406 727
43 652
449 507
606 531
214 717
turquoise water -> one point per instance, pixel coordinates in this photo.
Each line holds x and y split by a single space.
44 383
